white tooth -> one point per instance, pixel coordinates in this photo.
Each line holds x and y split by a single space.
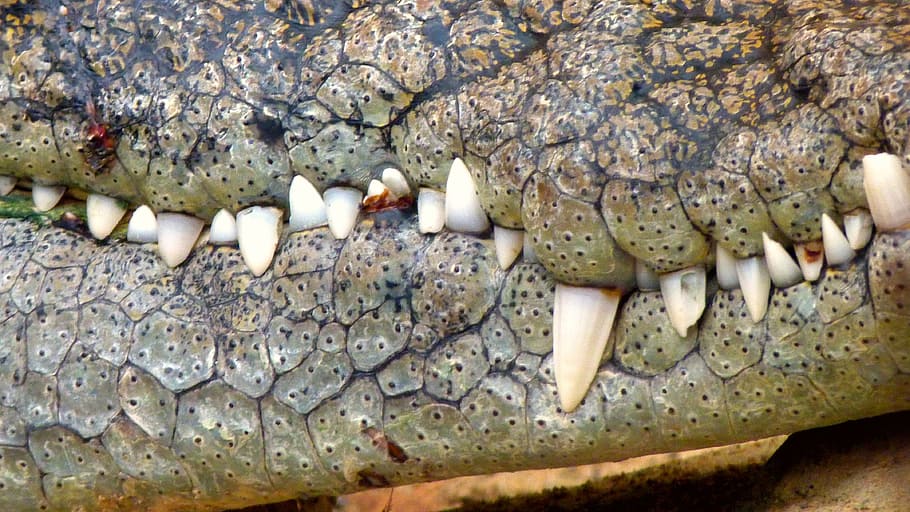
887 187
224 228
508 245
307 206
177 234
342 205
645 278
46 197
783 270
103 213
7 183
396 182
143 227
725 267
756 285
811 258
376 191
431 210
463 210
582 321
837 247
684 296
858 225
258 230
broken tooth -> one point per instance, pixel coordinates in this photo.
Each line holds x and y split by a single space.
7 183
224 228
782 268
727 278
258 231
684 296
463 210
396 182
143 227
858 225
431 210
377 194
582 321
342 205
103 214
177 234
46 197
887 187
307 206
811 258
645 278
755 282
508 245
837 247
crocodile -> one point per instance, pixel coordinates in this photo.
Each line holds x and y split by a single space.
634 152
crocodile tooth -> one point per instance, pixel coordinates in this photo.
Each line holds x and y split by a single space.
307 206
103 214
342 205
377 192
528 253
645 278
431 210
811 258
258 230
887 187
177 234
7 184
837 247
582 321
508 245
397 183
684 296
756 285
46 197
224 228
463 210
783 269
143 227
858 225
727 277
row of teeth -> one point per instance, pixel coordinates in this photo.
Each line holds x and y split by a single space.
583 316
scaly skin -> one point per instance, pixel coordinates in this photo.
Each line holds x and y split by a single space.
609 133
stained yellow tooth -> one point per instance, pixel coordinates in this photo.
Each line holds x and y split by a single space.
582 321
837 247
811 258
756 285
887 187
782 268
684 296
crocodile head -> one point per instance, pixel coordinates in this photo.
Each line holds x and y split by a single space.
656 165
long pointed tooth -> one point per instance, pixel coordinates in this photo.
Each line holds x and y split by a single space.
397 183
725 267
431 210
783 269
463 210
103 214
46 197
7 183
811 258
858 225
508 245
684 296
258 230
177 234
582 321
887 187
307 206
756 285
645 278
837 247
342 205
224 228
143 226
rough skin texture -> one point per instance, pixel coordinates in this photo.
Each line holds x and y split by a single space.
608 130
